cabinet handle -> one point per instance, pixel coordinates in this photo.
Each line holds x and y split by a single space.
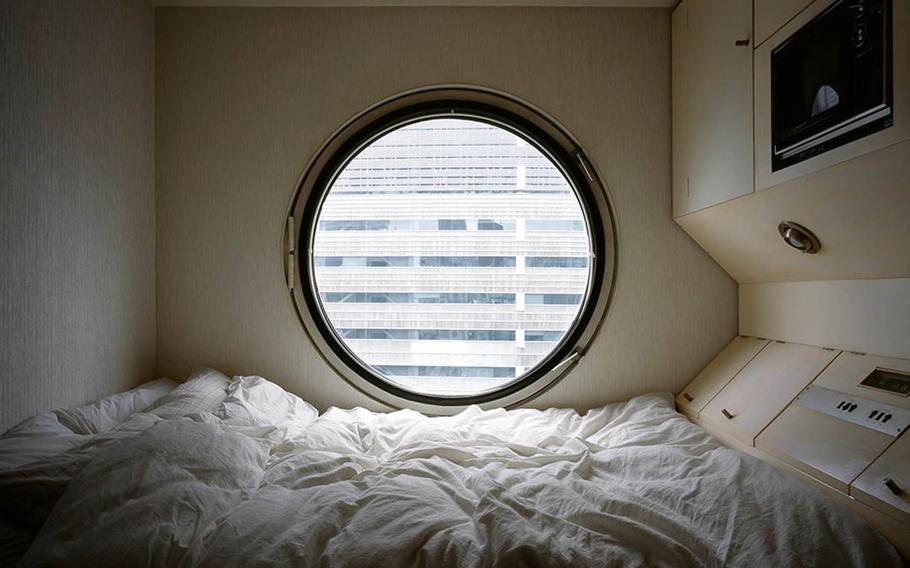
726 413
893 486
742 43
687 396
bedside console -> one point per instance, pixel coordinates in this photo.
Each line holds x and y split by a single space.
835 418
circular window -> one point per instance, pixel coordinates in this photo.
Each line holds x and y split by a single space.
455 250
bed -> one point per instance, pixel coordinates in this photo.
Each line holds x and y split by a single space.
238 472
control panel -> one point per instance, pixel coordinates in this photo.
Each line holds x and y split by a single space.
891 420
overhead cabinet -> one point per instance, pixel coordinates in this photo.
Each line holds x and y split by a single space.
846 183
712 103
768 176
771 15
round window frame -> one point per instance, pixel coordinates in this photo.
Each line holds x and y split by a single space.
491 107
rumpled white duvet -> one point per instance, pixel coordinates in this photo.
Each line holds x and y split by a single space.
631 484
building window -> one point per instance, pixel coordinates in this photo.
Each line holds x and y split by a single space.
416 298
495 225
553 299
422 232
557 225
430 334
557 261
452 225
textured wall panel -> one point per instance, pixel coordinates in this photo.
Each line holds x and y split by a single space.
246 96
77 220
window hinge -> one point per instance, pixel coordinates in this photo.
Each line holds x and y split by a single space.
291 234
290 263
290 274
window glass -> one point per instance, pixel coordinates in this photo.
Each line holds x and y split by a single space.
553 299
429 250
555 225
536 335
557 261
432 334
452 225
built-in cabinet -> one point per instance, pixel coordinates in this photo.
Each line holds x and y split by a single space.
712 103
873 487
772 15
814 412
718 373
802 408
725 195
827 447
764 387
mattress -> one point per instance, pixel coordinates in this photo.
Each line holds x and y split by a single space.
257 478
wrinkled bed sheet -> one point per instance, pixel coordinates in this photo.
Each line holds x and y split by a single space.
259 482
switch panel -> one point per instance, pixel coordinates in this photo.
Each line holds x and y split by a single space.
891 420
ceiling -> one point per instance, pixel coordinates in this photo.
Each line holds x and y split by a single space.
342 3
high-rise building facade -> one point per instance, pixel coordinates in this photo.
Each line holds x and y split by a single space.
451 256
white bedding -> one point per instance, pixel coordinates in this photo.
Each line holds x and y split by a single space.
50 433
261 481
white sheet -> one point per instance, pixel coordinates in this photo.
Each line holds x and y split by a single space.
38 437
107 413
51 433
631 484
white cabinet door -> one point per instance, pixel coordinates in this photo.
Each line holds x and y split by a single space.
885 484
679 109
712 103
764 388
718 373
830 449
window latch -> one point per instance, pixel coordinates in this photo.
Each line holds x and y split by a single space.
584 166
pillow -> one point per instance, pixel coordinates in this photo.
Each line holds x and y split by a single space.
203 391
37 438
255 401
110 411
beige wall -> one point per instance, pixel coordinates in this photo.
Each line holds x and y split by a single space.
246 96
77 251
870 316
